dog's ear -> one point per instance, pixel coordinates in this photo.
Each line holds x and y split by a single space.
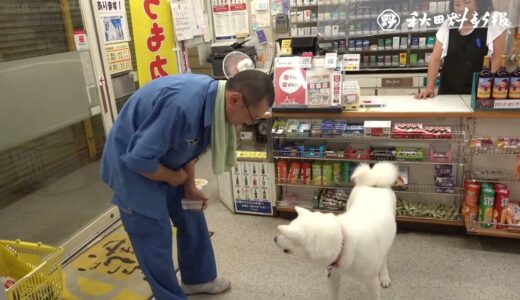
302 211
292 233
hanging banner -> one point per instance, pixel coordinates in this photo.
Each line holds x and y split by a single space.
112 19
152 27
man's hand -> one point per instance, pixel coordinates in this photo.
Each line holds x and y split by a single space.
192 193
178 178
427 93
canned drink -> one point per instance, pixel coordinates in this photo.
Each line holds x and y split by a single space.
336 171
306 172
487 201
317 175
328 176
345 171
281 170
502 194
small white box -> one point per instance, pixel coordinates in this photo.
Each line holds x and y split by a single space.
301 31
307 31
188 204
328 30
433 7
314 31
335 29
294 31
300 16
396 41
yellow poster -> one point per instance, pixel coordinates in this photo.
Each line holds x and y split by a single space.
153 38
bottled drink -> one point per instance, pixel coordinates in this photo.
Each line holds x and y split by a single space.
501 82
514 83
485 81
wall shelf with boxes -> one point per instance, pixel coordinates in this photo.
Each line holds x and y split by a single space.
355 23
314 158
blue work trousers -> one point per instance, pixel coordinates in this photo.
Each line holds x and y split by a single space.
152 243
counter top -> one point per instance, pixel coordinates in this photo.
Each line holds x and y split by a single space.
445 106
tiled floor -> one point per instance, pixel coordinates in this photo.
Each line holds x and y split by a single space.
422 266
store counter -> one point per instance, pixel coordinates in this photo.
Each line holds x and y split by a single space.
446 106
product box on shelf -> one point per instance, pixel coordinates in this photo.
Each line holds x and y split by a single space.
491 104
377 128
409 154
407 130
402 180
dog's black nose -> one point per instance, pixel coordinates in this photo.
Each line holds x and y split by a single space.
275 239
285 250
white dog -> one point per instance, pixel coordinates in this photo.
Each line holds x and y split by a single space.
356 242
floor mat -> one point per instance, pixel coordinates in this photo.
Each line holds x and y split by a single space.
107 271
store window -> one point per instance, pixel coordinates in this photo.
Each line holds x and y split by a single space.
51 139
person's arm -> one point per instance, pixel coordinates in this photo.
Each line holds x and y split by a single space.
499 45
152 141
433 70
191 192
163 174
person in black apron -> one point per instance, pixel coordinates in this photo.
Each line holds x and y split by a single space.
465 54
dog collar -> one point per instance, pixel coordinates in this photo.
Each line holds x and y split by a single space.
335 264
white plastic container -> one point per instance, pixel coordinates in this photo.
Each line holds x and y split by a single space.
188 204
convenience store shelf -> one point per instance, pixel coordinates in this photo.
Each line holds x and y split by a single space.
495 151
405 219
283 206
411 189
458 133
474 229
455 161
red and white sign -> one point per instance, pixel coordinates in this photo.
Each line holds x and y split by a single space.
80 39
289 82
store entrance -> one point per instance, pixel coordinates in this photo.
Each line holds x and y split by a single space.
57 105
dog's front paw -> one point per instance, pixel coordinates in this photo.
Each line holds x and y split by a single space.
385 282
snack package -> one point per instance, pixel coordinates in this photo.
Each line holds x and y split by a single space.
443 170
471 201
437 132
513 214
328 176
281 170
502 194
487 201
294 172
407 130
508 143
317 175
402 180
306 172
480 144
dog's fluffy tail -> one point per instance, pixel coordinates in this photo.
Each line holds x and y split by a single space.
382 174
